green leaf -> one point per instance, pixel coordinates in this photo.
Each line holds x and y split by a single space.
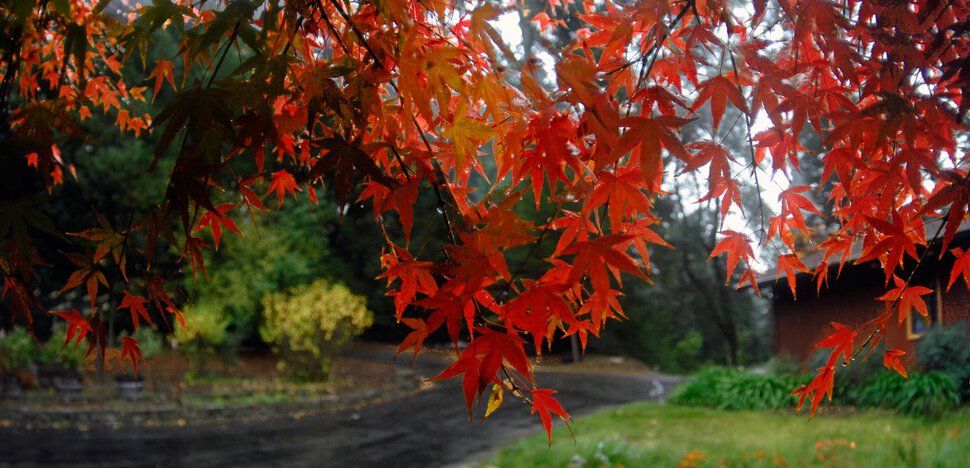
62 7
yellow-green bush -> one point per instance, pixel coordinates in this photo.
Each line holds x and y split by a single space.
307 325
205 330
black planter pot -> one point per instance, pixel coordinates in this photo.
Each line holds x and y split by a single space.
11 387
46 376
130 389
68 388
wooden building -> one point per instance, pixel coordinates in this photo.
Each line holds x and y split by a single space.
850 298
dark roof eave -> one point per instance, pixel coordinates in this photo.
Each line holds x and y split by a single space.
812 259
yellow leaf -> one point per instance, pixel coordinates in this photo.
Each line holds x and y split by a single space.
494 400
467 134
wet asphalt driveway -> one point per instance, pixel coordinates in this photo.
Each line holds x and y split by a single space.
425 428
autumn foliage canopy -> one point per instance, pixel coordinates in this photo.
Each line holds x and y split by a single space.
385 101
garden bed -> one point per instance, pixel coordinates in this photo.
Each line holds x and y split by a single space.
250 388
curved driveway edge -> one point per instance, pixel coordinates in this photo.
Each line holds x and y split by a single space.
423 428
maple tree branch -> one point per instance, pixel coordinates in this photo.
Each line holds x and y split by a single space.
363 40
535 245
754 165
438 172
11 57
333 30
909 279
225 52
340 41
655 47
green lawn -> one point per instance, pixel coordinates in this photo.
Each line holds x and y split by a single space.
666 435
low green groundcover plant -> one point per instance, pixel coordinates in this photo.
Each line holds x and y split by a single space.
649 434
947 349
929 394
722 388
881 391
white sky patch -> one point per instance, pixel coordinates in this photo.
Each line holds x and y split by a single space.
771 184
507 24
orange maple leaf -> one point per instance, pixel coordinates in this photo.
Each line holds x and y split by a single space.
163 71
738 247
890 359
282 183
960 267
816 390
906 297
842 342
790 265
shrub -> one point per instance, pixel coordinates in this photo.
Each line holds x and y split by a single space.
864 369
722 388
751 391
947 350
923 394
928 394
17 350
307 324
883 390
60 358
784 365
705 389
149 342
204 331
687 351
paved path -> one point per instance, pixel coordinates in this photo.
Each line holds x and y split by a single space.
427 428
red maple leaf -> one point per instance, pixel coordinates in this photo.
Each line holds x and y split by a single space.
544 21
135 305
544 404
131 351
719 90
842 342
622 191
890 359
895 243
468 366
77 326
790 265
793 203
416 277
215 220
594 257
575 226
816 390
416 338
960 267
282 183
737 246
953 191
905 297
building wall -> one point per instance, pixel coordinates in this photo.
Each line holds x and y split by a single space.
955 303
850 300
